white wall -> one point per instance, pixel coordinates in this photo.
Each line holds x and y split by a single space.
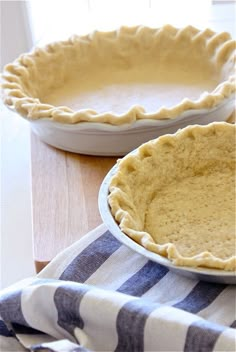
16 251
15 30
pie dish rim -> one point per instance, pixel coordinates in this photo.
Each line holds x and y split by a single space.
111 195
32 109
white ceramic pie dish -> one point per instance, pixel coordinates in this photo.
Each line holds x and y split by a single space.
107 140
128 220
205 274
107 92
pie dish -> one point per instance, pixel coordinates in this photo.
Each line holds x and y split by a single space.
175 196
131 79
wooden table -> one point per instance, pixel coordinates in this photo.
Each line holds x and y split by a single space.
64 197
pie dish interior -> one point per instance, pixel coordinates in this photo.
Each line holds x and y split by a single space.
122 76
176 196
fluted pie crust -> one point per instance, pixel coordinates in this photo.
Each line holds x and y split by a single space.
123 76
175 196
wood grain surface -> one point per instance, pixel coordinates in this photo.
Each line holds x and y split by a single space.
64 197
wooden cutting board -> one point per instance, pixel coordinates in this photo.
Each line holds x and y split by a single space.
64 197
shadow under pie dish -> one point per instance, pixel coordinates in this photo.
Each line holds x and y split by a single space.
175 197
88 92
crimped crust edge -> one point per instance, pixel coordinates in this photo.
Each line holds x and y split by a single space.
116 197
221 46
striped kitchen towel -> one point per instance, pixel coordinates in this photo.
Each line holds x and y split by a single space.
99 295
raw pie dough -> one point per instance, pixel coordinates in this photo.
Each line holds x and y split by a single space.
116 90
176 196
122 76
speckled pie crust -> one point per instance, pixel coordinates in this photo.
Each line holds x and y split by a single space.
32 76
176 196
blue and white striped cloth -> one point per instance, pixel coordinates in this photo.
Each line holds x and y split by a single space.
99 295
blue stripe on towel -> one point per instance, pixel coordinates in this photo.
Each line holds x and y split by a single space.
10 308
91 258
144 279
201 296
4 330
233 325
67 299
26 330
130 324
202 336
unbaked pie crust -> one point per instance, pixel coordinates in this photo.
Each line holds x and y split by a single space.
175 196
123 76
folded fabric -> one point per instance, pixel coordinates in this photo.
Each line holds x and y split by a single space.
99 295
